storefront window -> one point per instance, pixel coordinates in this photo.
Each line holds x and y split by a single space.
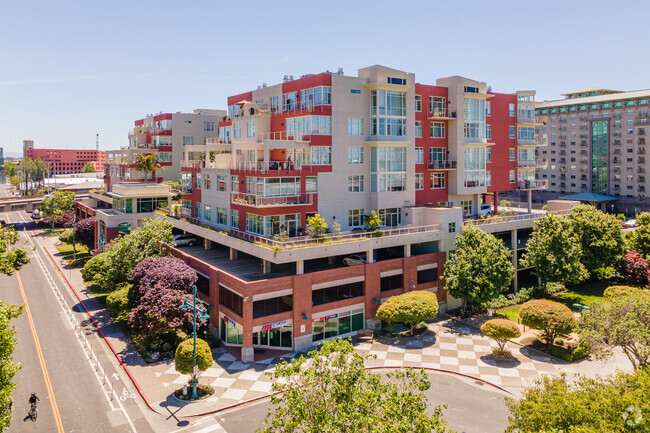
336 325
231 333
273 335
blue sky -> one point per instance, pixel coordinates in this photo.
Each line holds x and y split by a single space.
72 69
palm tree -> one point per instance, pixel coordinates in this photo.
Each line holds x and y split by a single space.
147 163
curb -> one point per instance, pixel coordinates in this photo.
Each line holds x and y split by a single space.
117 356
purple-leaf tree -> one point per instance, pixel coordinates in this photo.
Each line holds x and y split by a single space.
85 232
173 273
636 269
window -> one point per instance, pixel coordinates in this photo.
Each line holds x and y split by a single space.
188 141
388 113
308 125
355 217
355 183
234 183
511 132
474 126
418 102
511 110
355 155
419 155
355 91
427 275
310 184
512 176
437 130
452 227
474 173
387 169
355 127
234 218
437 180
488 108
289 101
237 130
467 206
438 106
418 129
222 216
391 216
392 282
488 178
398 81
221 182
488 132
206 180
230 299
275 104
419 181
317 96
255 223
208 126
250 129
321 155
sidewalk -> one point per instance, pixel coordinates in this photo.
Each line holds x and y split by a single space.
449 345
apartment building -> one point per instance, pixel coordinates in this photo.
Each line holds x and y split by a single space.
65 161
422 156
169 136
3 177
595 142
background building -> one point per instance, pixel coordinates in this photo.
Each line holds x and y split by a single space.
65 161
3 178
595 142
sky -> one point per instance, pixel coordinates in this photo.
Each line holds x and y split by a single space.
72 69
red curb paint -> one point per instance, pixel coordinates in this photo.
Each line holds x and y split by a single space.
119 358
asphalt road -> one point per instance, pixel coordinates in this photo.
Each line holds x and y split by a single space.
54 365
471 408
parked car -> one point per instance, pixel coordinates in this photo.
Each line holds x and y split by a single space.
36 214
486 209
354 260
189 240
629 224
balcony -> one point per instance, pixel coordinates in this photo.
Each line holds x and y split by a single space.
524 118
441 165
256 200
441 113
526 163
532 184
526 142
268 166
282 136
641 170
186 189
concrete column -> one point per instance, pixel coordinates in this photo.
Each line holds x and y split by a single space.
266 266
407 250
515 258
530 200
370 256
233 254
207 244
330 260
300 267
476 203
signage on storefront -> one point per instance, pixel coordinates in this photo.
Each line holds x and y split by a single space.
274 325
331 316
229 320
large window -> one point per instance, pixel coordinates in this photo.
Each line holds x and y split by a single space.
336 324
275 104
355 217
437 129
390 216
234 218
437 106
310 98
337 293
250 129
388 113
388 169
474 127
221 182
427 275
308 125
355 127
437 180
311 184
237 130
230 299
599 158
321 155
188 141
474 167
391 283
207 212
355 155
222 216
269 307
355 183
289 101
419 155
254 223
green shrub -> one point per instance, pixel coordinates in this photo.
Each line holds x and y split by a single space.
551 318
184 359
67 236
117 302
409 308
613 292
567 354
501 330
94 266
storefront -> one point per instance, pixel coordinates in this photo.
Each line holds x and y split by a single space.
230 331
277 335
337 324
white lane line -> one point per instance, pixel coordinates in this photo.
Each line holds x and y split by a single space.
64 306
199 422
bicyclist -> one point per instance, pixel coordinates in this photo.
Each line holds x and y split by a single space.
33 399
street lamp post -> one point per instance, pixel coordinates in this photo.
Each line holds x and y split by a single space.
74 246
204 316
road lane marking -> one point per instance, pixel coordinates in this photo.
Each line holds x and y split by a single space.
41 359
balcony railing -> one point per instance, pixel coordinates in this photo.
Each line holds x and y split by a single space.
525 119
532 184
217 140
523 163
441 165
526 142
186 189
507 219
256 200
282 136
441 113
268 166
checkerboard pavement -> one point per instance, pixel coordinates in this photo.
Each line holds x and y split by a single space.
451 346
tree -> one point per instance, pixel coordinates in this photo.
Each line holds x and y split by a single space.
11 259
125 253
174 273
501 330
624 322
333 392
316 225
59 204
8 368
409 308
639 239
551 318
373 223
601 237
88 167
10 169
95 266
184 359
554 251
147 163
635 269
612 404
480 268
85 232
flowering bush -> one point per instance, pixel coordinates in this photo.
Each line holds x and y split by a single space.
635 269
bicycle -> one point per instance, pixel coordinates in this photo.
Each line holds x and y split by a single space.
33 412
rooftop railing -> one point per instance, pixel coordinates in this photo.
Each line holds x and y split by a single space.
510 218
256 200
